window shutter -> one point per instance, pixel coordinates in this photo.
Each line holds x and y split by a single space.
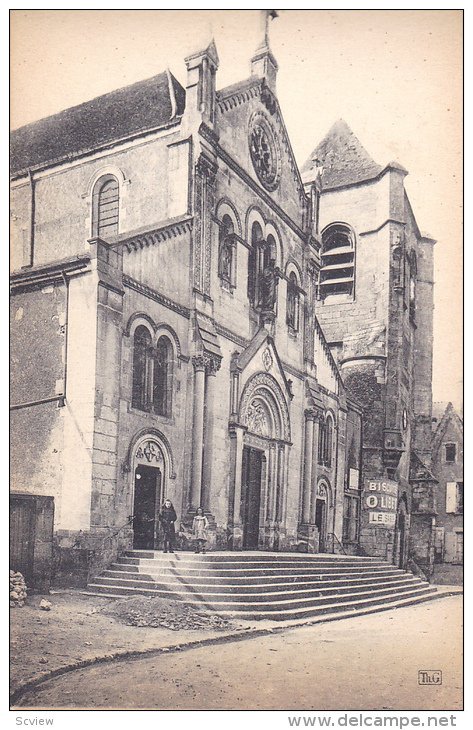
451 497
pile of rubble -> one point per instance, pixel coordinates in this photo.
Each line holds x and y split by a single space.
17 589
163 613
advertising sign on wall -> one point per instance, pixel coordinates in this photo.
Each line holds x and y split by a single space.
380 502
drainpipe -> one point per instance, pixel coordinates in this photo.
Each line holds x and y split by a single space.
32 218
66 334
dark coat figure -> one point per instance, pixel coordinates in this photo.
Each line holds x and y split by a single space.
167 518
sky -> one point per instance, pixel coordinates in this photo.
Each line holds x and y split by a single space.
395 76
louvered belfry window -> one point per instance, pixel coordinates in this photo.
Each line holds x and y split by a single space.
337 274
107 209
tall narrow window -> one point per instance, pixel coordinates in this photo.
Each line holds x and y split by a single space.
337 274
141 350
162 377
107 208
328 441
321 446
254 263
292 316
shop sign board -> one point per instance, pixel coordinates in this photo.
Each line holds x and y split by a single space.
380 502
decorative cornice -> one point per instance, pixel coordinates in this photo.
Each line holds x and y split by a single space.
150 293
140 239
236 97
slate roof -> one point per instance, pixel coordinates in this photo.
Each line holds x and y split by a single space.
142 106
345 161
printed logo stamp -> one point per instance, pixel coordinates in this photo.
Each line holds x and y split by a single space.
429 676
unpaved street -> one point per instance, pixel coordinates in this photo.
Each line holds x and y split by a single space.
365 663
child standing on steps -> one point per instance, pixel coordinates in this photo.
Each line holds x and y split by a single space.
199 529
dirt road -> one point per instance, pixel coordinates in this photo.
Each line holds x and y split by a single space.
365 663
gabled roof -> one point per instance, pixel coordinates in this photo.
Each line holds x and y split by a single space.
449 415
143 106
344 159
418 471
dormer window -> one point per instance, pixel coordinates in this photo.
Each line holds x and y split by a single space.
337 274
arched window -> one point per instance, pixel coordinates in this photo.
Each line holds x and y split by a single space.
328 446
226 246
321 449
162 377
105 207
325 442
152 373
141 367
292 312
337 273
254 265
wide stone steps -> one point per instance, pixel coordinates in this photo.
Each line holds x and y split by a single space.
263 585
221 595
116 577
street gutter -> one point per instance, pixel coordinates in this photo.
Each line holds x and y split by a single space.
270 627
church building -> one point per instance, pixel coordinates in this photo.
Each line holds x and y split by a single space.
193 319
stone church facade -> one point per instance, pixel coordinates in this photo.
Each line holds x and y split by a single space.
174 334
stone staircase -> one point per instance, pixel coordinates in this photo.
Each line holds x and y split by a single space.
256 585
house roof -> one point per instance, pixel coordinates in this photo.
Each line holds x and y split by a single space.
139 107
449 414
344 159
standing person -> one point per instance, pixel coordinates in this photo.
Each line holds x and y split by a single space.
167 518
199 528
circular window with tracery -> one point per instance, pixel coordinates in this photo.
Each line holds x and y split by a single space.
264 152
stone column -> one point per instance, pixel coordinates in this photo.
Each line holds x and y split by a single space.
307 530
197 431
236 457
308 458
212 365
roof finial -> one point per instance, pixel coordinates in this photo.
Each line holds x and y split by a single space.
266 16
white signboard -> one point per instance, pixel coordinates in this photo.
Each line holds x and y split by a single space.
380 502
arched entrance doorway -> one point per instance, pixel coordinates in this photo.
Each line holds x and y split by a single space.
321 509
401 535
260 461
150 470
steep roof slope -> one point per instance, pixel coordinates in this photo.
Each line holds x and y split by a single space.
141 106
449 415
344 159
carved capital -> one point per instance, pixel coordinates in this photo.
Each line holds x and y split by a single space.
205 167
212 364
198 362
313 414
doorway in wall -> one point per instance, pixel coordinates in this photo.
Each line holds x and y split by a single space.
252 465
320 520
146 506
